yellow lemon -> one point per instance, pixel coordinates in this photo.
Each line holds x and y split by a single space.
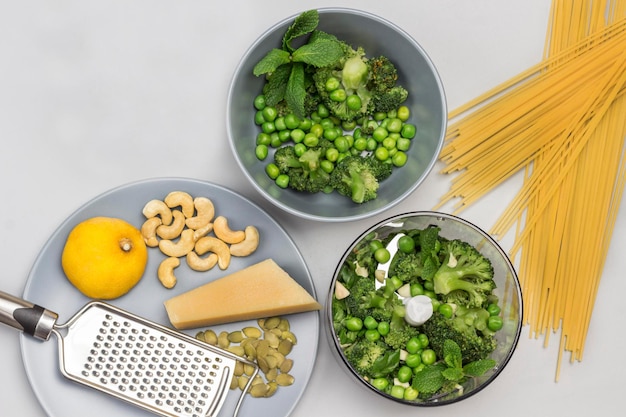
104 257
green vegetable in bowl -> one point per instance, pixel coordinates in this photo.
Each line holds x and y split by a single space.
327 90
449 348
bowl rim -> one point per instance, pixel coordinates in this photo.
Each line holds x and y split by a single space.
303 214
328 316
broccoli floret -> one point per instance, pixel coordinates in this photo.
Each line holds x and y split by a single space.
399 330
358 177
407 266
367 300
363 354
304 171
474 344
383 76
464 269
390 99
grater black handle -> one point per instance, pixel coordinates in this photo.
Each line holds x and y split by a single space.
27 317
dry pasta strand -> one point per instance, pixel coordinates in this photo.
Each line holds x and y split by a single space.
561 123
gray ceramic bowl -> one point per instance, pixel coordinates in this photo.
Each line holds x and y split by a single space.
416 73
508 292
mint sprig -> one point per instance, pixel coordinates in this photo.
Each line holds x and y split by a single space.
450 372
285 67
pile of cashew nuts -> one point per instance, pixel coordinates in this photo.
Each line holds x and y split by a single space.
181 226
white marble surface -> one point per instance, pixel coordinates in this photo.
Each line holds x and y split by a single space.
98 94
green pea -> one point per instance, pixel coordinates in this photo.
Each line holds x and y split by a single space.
259 102
282 180
261 152
269 113
354 324
445 310
406 244
332 154
370 322
348 125
381 153
408 131
394 125
279 123
272 170
360 144
263 139
403 144
354 102
341 143
493 309
371 144
305 124
423 340
297 135
495 323
317 129
413 345
404 373
429 356
410 393
332 84
284 135
380 384
338 95
389 143
413 360
327 166
372 335
268 127
258 118
383 328
323 111
404 113
397 391
275 141
311 140
375 244
399 158
331 134
416 289
380 133
299 148
382 255
292 121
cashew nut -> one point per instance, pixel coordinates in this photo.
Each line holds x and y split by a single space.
174 229
165 272
203 231
223 231
248 245
148 231
217 246
204 213
181 199
182 247
155 208
197 263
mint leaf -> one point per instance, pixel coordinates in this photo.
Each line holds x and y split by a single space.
303 24
452 355
479 367
321 53
272 60
317 35
453 374
385 364
295 92
276 85
429 380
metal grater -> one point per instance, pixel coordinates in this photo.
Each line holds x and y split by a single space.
133 359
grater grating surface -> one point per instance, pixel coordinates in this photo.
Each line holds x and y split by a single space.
133 359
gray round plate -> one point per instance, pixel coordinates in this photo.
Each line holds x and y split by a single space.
48 287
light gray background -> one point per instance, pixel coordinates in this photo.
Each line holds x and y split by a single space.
94 95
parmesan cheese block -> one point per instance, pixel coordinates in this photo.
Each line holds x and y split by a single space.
260 290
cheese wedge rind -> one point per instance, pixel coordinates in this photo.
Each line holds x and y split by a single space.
260 290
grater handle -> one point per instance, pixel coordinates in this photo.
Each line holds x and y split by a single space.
30 318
